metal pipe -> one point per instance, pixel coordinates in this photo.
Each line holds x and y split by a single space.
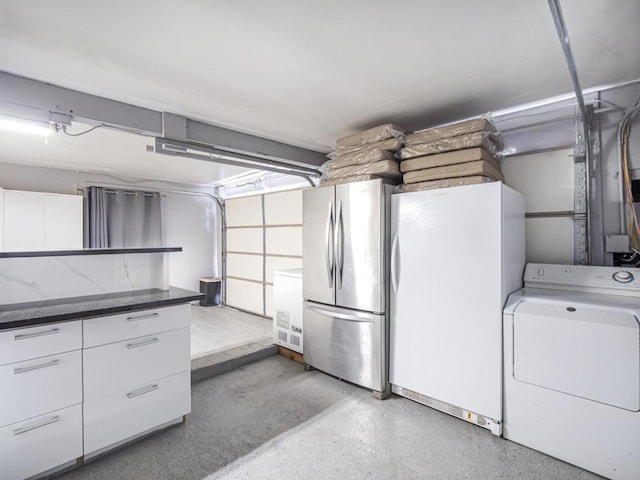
553 120
561 28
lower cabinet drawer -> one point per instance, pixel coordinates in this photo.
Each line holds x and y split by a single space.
41 443
116 328
32 342
111 419
118 366
39 386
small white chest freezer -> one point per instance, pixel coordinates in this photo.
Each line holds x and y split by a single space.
287 308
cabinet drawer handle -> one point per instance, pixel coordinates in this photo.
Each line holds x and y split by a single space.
143 343
25 336
52 363
143 390
142 317
48 421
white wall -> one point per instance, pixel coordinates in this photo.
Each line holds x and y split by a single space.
190 222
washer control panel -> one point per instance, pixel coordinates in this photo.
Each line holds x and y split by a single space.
623 276
586 278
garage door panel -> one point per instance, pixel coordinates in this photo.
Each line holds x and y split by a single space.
244 295
284 240
283 208
280 263
246 211
245 266
244 240
269 300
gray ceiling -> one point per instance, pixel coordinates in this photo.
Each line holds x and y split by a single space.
307 73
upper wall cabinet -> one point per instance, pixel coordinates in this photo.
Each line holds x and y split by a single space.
31 221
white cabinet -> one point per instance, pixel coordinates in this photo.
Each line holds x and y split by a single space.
39 341
71 390
112 419
119 366
136 374
123 326
62 222
40 385
40 444
23 221
40 398
40 221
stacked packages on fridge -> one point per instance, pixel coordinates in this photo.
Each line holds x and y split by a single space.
463 153
366 155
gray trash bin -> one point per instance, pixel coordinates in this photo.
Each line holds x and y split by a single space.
211 287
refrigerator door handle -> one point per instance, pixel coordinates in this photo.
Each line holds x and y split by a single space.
329 255
394 266
352 317
338 244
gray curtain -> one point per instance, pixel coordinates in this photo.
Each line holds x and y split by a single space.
123 219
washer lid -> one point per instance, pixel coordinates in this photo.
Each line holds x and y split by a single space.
578 349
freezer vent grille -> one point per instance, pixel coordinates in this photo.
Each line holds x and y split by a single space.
295 340
446 407
440 405
428 401
282 335
455 411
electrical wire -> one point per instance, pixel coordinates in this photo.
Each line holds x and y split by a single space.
633 228
64 129
102 125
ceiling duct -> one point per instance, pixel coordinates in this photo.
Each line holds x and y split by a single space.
208 153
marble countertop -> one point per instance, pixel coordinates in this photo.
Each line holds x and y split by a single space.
49 311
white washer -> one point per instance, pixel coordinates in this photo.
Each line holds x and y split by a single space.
572 366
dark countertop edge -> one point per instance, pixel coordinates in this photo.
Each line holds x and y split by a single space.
89 251
100 312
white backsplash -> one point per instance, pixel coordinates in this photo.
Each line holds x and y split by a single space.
28 279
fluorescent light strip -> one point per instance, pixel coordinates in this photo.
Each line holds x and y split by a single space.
25 126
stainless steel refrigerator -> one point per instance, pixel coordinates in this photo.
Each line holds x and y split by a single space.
345 281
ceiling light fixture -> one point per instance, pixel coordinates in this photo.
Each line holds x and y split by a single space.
25 126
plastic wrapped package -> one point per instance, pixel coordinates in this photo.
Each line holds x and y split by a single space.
489 141
358 158
479 124
444 183
479 167
390 144
358 178
385 168
449 158
371 135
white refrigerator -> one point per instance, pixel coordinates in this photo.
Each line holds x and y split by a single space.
456 254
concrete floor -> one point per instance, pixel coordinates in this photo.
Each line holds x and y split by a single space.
217 329
271 419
